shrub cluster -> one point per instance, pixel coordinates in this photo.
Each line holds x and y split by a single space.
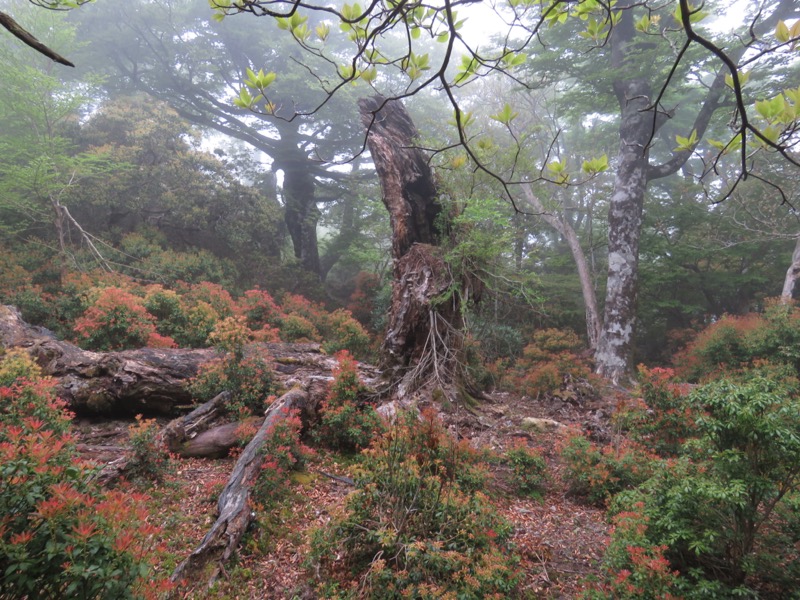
718 518
415 527
348 422
736 343
249 378
548 365
61 536
114 312
529 469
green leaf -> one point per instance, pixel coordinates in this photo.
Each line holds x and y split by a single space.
595 165
782 32
505 116
686 144
643 24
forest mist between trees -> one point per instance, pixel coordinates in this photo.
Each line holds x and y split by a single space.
223 207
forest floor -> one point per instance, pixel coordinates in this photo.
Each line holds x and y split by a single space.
559 540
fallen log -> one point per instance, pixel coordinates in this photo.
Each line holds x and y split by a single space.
149 381
234 511
174 434
145 381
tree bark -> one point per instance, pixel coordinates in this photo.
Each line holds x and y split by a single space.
146 381
301 213
423 334
792 274
614 353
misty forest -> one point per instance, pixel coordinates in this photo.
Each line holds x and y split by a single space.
447 299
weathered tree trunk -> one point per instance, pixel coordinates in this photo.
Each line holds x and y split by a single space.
423 334
615 348
149 381
792 274
234 512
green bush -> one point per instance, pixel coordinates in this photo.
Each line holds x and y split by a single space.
410 529
61 536
347 421
529 469
598 472
249 378
147 461
664 418
724 511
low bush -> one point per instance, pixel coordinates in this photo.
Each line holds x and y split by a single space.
118 320
61 536
736 343
597 472
147 462
529 469
410 529
548 364
348 422
249 378
725 510
664 417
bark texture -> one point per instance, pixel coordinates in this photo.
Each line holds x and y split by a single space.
792 274
562 226
423 336
147 381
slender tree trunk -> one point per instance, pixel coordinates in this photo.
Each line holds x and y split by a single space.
562 226
792 274
423 336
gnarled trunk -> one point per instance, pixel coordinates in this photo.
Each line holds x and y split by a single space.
423 336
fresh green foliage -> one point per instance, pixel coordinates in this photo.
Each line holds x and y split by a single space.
248 377
147 462
721 513
528 467
598 472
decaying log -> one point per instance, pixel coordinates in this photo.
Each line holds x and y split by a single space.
173 436
216 442
234 512
148 381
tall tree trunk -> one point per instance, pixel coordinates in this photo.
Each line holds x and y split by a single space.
423 336
300 210
792 273
614 353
